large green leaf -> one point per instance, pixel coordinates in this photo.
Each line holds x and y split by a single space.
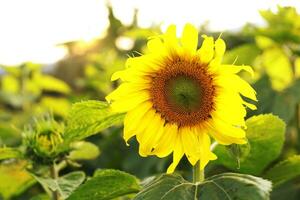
89 117
284 171
6 153
106 184
220 187
265 135
65 185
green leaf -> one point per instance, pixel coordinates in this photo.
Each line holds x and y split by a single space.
286 101
88 118
219 187
14 179
50 83
41 197
242 55
106 184
265 135
65 185
69 182
284 171
6 153
83 150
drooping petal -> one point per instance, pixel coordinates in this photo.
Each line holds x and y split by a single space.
190 144
204 144
234 69
234 82
177 155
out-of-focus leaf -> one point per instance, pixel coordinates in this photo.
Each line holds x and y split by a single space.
265 135
65 185
284 171
6 153
14 179
264 42
83 150
297 67
10 84
286 101
59 106
265 93
242 55
49 83
106 184
278 68
219 187
88 118
41 197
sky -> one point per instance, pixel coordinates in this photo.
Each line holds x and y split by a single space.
30 30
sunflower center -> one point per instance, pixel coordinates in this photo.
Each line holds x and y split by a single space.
183 92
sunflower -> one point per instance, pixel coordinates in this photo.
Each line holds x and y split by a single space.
177 97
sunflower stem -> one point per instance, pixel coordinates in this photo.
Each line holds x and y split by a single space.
198 174
54 175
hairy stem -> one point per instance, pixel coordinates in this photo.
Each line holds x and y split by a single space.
54 175
198 174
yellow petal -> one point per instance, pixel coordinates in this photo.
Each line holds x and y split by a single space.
206 52
130 75
206 154
150 137
249 105
155 45
189 38
125 90
190 145
220 48
177 155
170 39
234 82
228 129
126 104
166 143
134 118
229 107
224 139
234 69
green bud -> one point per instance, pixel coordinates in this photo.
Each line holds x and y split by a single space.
44 137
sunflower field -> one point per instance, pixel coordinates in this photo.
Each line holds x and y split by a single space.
187 115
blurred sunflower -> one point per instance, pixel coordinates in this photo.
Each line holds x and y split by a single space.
177 97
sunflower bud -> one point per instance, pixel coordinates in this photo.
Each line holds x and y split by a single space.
44 137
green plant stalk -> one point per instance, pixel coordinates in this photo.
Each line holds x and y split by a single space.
198 174
54 175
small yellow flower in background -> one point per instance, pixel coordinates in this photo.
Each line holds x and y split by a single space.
177 97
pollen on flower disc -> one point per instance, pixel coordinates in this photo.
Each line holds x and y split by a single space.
183 92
